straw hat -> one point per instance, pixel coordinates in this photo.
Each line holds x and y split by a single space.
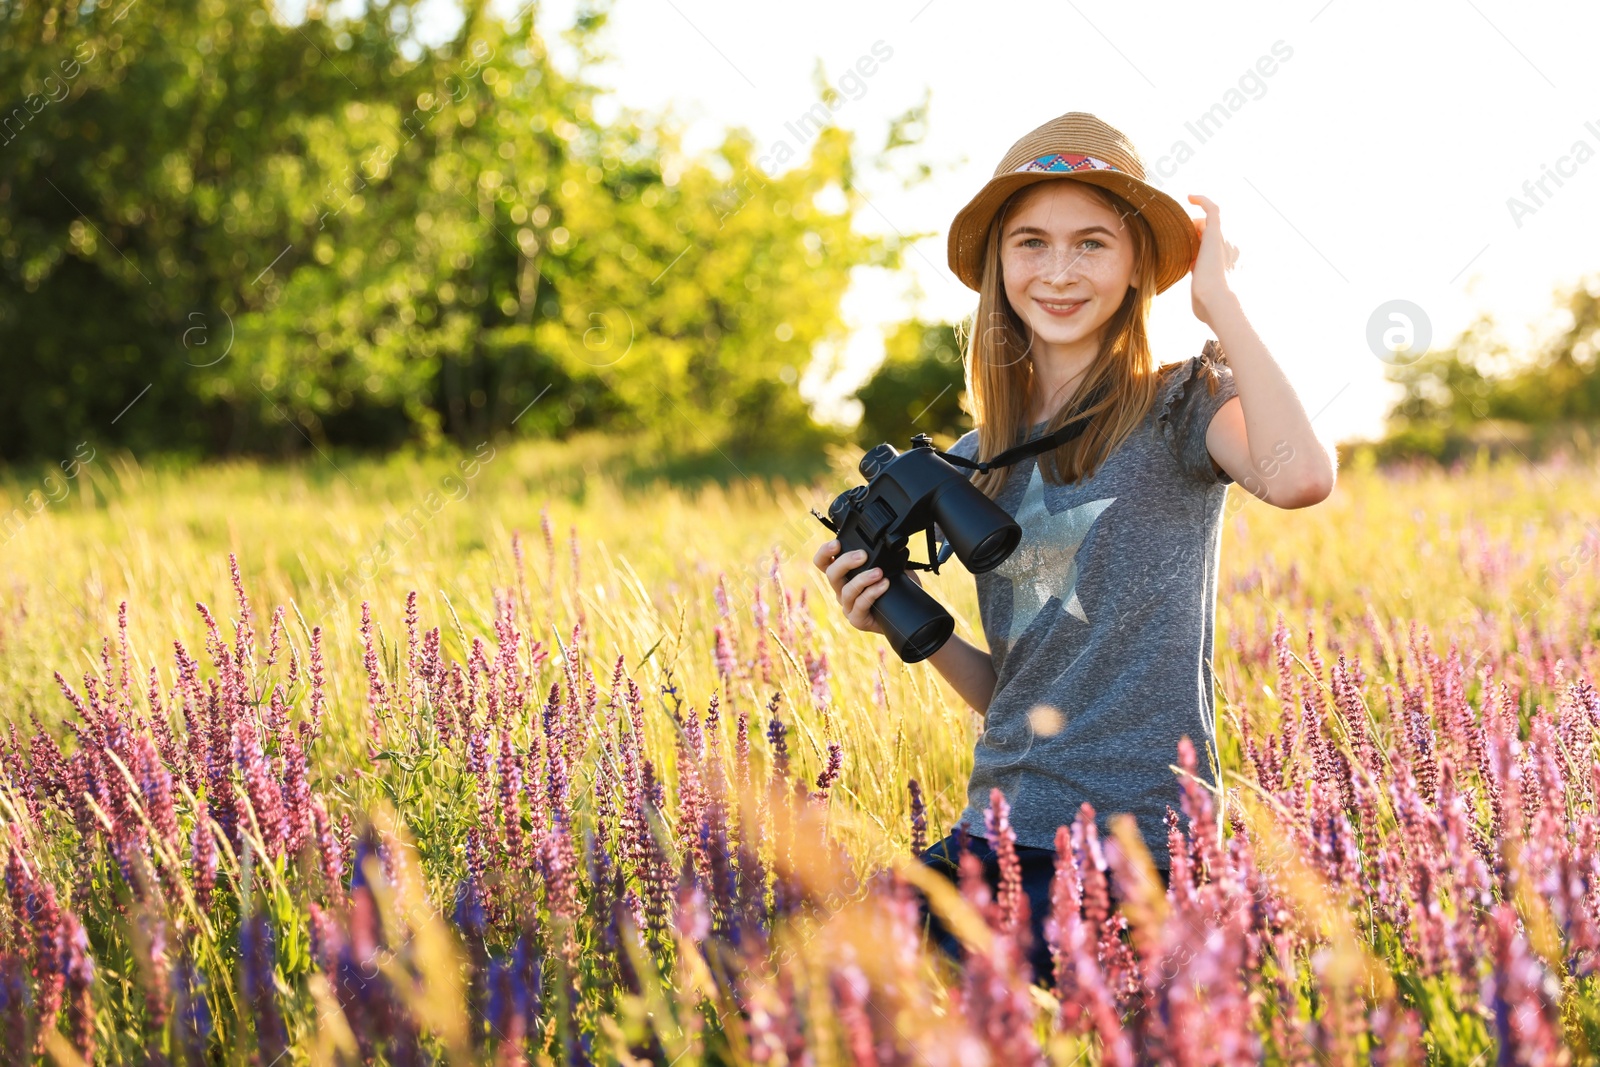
1081 147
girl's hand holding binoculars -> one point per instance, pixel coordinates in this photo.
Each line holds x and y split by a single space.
857 594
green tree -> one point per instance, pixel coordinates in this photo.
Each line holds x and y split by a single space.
1478 393
919 388
272 236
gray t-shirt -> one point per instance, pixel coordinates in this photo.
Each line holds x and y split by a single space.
1100 624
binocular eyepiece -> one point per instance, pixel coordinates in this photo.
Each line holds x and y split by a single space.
908 492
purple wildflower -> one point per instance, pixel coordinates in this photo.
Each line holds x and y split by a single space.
508 1011
1012 904
330 853
124 661
377 688
261 787
577 581
413 656
726 660
511 799
558 863
244 633
549 546
191 1013
828 777
78 966
819 673
296 794
919 819
257 962
777 738
763 658
319 698
203 861
40 920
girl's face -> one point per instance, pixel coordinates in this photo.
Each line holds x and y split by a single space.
1067 260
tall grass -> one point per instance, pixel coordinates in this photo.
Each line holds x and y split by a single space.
535 762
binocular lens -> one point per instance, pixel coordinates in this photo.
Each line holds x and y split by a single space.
915 624
980 531
928 640
993 550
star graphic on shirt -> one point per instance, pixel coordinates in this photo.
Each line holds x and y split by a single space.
1044 564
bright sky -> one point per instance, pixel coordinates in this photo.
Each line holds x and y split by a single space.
1375 162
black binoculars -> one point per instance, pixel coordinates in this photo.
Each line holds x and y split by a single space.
907 492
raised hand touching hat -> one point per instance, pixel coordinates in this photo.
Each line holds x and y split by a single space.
1208 288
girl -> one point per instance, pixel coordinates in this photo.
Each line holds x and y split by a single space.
1099 624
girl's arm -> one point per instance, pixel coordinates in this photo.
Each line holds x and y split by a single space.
968 669
1262 438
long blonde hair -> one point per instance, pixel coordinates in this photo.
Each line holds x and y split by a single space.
999 368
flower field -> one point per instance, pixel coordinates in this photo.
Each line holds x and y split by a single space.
415 761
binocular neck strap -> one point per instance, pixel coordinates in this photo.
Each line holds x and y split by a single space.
1073 428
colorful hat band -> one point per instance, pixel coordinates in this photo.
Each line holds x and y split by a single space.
1063 161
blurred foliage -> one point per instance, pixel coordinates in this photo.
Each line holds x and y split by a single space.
221 233
918 389
1477 395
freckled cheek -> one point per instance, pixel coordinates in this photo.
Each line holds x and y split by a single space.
1017 280
1022 272
1108 278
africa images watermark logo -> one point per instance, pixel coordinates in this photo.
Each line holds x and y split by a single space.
55 88
1251 85
1536 191
852 85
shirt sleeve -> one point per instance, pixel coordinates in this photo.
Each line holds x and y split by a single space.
1195 392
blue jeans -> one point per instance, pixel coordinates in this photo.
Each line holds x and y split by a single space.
1038 869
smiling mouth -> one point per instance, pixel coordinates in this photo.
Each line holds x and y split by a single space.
1060 307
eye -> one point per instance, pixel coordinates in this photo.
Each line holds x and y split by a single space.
1093 241
1030 242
